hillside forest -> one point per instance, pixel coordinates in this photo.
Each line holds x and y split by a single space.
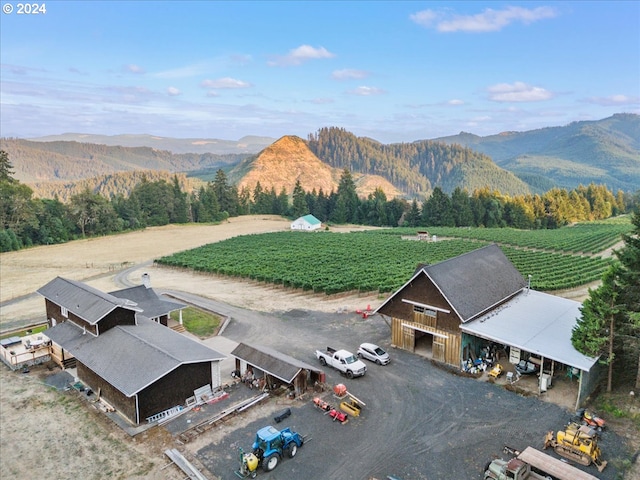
28 221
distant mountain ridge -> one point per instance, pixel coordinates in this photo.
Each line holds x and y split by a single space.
248 144
603 152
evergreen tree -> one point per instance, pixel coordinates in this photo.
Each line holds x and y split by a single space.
412 218
437 210
299 207
461 208
6 168
610 319
180 213
347 201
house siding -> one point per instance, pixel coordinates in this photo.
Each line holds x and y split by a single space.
174 388
125 405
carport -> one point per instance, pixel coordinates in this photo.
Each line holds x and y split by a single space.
540 324
278 367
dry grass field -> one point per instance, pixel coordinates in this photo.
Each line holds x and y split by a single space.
45 433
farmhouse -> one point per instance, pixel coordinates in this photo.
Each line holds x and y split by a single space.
456 308
137 365
272 368
308 222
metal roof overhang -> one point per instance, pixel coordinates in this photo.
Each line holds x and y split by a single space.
535 322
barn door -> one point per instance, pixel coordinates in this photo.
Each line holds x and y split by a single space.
438 348
409 339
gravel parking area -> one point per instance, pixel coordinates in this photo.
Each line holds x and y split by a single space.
420 421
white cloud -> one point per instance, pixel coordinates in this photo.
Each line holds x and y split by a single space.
488 21
132 68
366 91
173 91
613 100
518 92
349 74
225 82
300 55
455 102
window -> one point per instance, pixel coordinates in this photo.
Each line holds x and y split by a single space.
424 311
64 312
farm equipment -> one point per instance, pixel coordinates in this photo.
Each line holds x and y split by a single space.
577 442
496 371
334 413
590 419
532 464
270 446
353 406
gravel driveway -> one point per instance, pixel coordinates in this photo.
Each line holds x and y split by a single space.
420 421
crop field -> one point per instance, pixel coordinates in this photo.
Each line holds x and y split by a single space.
584 238
383 260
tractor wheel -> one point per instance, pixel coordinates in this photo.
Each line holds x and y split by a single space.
349 374
270 462
323 361
292 449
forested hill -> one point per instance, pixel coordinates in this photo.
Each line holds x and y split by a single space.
415 168
604 151
68 161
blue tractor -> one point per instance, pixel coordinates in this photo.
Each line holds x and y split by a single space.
269 447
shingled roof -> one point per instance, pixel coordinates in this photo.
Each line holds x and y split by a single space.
148 300
132 357
473 282
271 361
82 300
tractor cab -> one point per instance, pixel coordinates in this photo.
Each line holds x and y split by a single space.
271 445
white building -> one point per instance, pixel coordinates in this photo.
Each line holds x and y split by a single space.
308 222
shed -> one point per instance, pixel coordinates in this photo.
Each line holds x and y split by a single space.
278 368
307 222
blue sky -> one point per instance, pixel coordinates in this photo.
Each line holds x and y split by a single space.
392 71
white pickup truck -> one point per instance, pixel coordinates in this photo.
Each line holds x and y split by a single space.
342 360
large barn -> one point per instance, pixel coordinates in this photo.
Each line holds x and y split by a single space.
454 308
136 364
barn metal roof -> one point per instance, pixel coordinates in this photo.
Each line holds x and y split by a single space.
148 300
271 361
535 322
132 357
86 302
472 282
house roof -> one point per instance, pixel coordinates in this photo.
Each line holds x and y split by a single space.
535 322
148 300
271 361
82 300
132 357
310 219
473 282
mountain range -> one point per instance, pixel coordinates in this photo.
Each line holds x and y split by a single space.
603 152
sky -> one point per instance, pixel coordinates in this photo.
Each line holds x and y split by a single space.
393 71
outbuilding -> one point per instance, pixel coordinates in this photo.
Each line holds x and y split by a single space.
272 368
307 222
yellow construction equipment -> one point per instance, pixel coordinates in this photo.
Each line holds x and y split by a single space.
578 443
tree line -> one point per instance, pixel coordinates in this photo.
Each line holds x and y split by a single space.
28 221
